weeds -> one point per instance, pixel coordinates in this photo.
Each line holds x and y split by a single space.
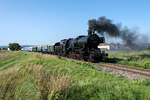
53 86
49 85
8 84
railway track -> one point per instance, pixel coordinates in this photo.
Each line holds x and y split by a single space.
134 70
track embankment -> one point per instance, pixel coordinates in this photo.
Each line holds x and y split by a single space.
135 70
119 70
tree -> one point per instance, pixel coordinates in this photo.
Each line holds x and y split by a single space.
14 46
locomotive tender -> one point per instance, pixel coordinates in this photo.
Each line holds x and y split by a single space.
82 48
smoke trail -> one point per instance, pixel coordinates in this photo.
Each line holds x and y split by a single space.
132 38
105 26
129 37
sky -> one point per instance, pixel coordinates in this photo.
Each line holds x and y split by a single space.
41 22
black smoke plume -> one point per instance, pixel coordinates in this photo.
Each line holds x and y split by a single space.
133 39
105 26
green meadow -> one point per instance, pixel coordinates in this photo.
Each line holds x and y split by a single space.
35 76
131 58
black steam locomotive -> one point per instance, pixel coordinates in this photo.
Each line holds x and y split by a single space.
82 48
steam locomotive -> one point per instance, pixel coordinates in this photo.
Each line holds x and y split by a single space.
82 48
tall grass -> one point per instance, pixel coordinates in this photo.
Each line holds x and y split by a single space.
51 86
8 84
48 86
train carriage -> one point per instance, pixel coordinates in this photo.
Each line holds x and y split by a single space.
39 49
34 49
51 49
44 48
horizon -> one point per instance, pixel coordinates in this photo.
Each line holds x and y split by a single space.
32 22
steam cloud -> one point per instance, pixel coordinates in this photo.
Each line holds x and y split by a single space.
106 26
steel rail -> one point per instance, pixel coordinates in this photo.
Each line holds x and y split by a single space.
134 70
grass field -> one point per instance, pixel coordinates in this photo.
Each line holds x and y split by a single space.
34 76
131 58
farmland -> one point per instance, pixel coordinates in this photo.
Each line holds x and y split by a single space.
35 76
